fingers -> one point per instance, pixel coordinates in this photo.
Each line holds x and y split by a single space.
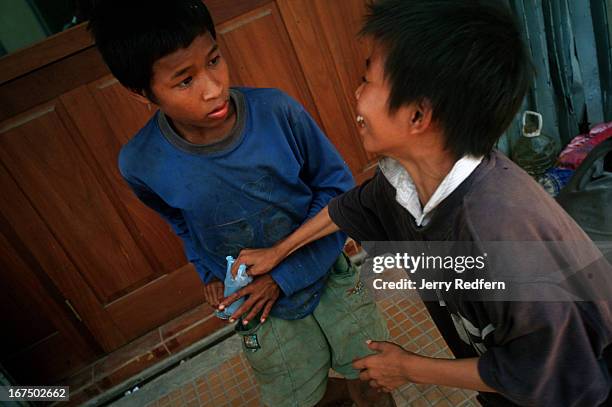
234 269
376 346
243 308
220 292
243 258
255 270
266 311
209 297
232 298
360 364
254 310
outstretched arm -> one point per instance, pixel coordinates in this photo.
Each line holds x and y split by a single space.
261 261
392 366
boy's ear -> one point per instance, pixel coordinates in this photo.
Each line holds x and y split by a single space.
421 115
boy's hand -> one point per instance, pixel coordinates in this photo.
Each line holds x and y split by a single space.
262 292
258 261
386 370
213 293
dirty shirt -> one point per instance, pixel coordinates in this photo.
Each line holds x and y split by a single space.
275 170
533 353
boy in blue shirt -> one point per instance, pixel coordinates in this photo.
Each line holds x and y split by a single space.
231 168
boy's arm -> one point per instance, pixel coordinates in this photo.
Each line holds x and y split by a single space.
261 261
392 366
176 220
327 176
353 212
548 353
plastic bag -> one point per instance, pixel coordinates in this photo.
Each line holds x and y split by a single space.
232 285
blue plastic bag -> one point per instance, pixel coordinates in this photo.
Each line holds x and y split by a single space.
232 285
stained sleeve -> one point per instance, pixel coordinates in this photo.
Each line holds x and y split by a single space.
547 353
357 212
326 174
174 217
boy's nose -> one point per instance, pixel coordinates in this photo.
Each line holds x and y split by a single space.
212 89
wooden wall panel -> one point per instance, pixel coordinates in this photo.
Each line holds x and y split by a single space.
43 343
27 226
340 22
41 155
106 118
260 54
328 87
47 83
157 302
35 318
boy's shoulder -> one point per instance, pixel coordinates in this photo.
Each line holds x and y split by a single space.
135 150
506 203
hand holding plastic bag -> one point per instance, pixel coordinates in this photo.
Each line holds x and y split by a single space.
232 285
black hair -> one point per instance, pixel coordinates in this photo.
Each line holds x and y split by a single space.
132 34
465 57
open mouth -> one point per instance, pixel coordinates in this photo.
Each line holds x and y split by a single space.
220 112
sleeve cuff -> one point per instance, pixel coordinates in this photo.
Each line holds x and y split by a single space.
283 284
333 208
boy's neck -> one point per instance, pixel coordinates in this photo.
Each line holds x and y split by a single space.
428 167
204 136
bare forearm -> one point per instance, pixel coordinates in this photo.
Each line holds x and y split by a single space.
315 228
461 373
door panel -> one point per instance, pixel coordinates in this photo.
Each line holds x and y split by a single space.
106 118
260 54
42 157
41 337
307 35
23 224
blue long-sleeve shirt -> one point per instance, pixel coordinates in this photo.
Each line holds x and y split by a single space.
272 172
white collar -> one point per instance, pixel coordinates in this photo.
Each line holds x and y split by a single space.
406 193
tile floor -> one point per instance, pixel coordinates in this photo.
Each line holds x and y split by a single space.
233 384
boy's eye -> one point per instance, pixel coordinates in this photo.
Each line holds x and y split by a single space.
214 61
364 79
185 82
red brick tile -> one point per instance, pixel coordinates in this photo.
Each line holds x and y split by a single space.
420 317
395 332
192 403
456 398
250 393
434 395
420 402
219 401
177 402
414 332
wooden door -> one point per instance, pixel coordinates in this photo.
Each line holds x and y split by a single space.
106 266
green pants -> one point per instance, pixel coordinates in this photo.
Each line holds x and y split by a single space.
291 359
